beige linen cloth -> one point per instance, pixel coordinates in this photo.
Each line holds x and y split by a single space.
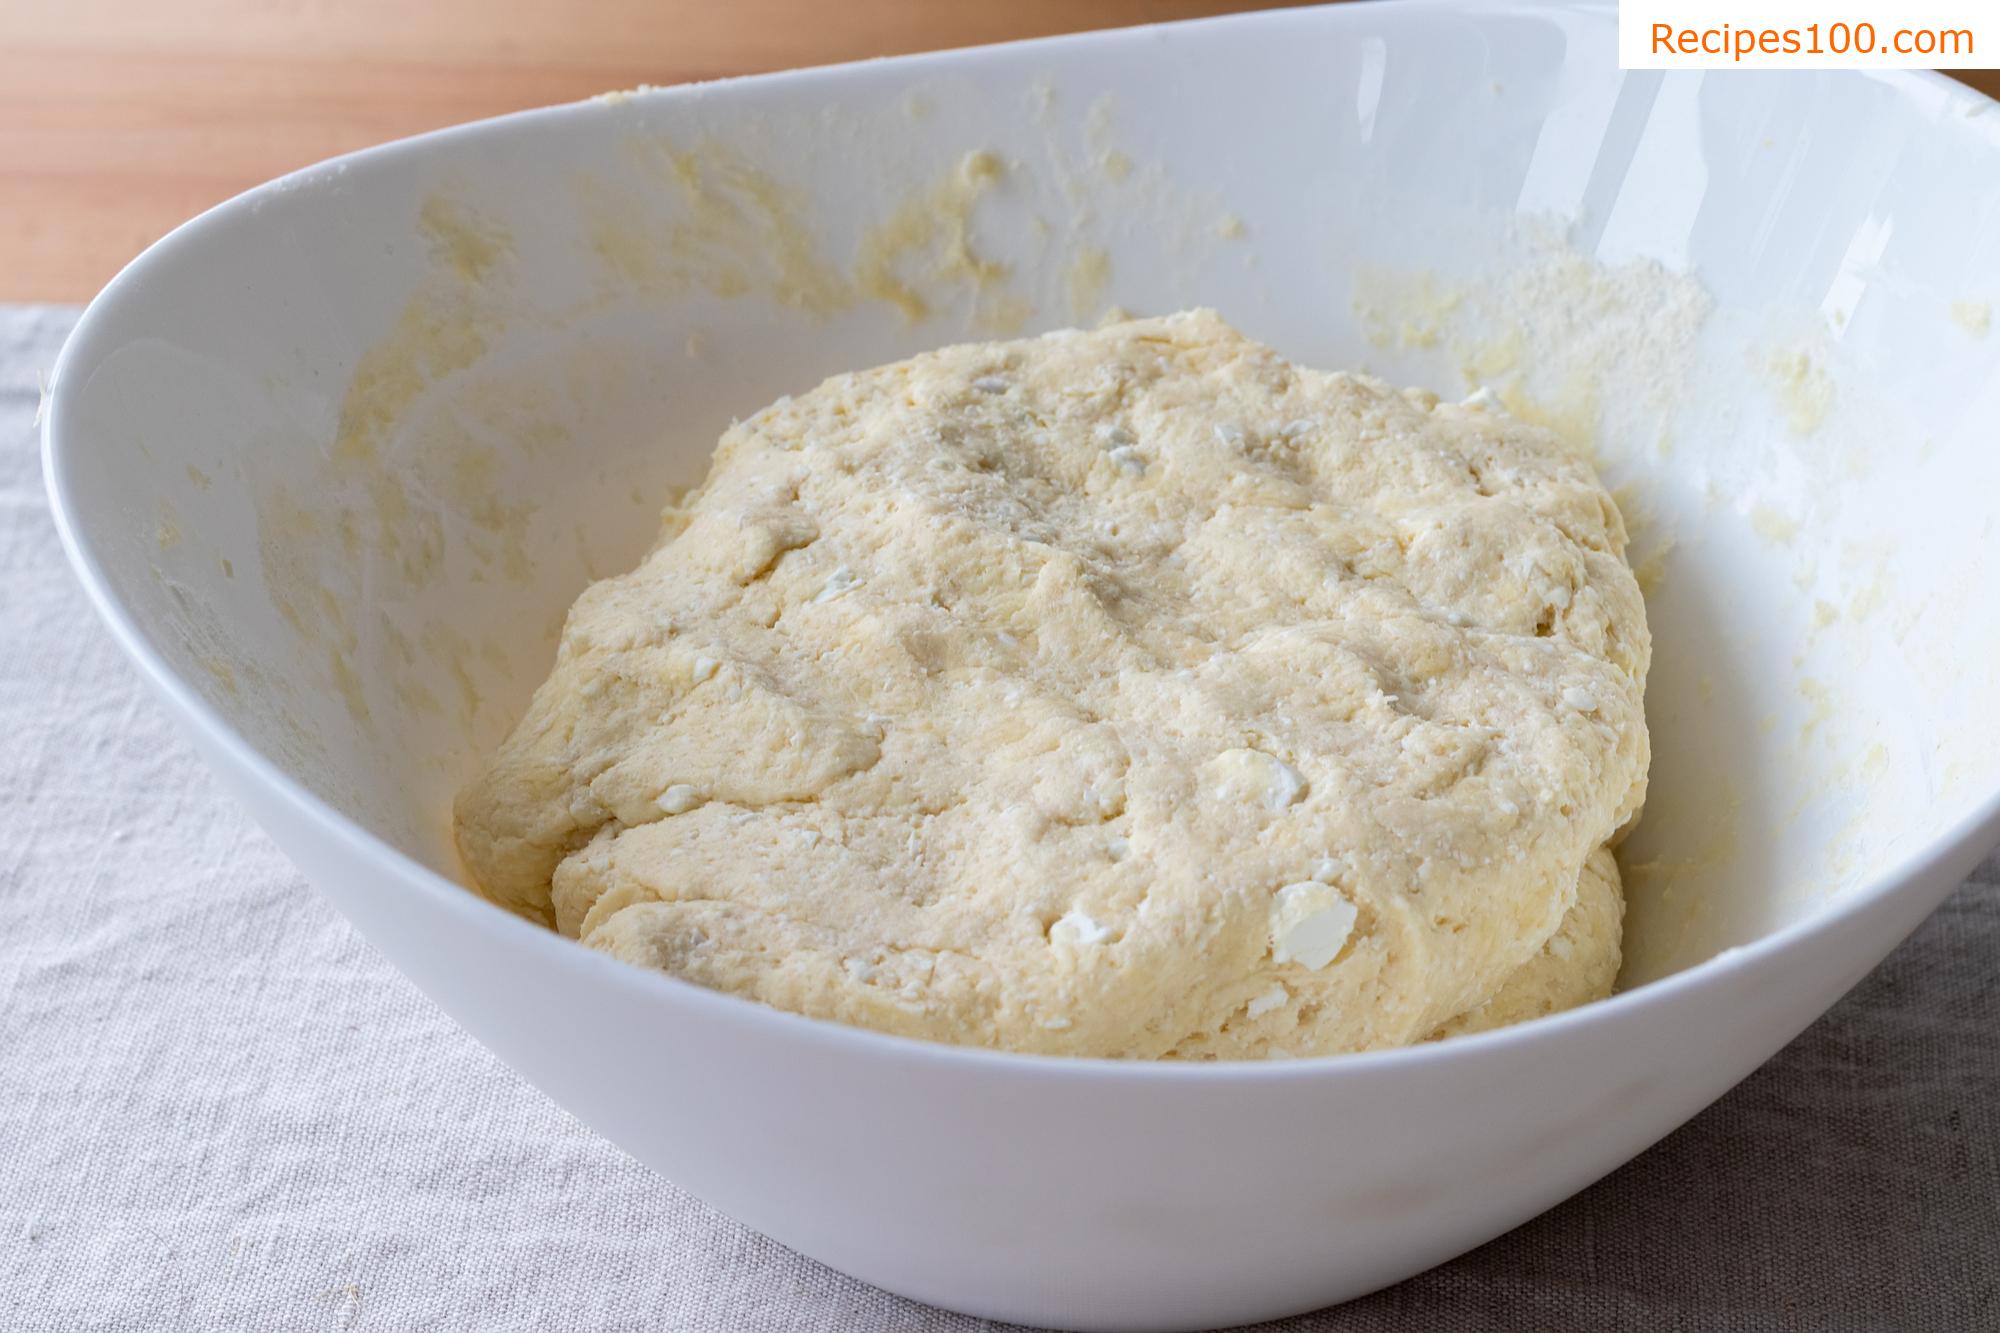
219 1109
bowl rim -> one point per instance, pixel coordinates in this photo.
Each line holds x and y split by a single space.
1979 827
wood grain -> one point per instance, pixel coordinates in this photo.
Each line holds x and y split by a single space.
121 118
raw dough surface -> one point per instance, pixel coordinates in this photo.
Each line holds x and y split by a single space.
1577 965
1118 693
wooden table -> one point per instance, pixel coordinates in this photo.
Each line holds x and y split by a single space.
121 118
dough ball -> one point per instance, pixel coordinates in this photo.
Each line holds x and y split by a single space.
1130 692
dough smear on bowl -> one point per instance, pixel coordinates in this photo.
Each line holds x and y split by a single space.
1118 693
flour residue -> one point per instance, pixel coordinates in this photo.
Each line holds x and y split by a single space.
388 504
1088 279
927 243
729 230
167 533
470 245
1820 710
1803 388
712 222
698 215
1103 181
291 537
445 326
215 648
1772 525
1864 573
1403 310
1562 340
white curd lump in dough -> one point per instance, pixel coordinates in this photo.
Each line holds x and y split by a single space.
1118 693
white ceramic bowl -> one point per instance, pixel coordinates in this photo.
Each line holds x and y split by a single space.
333 459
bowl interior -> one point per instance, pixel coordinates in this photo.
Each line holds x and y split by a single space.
346 449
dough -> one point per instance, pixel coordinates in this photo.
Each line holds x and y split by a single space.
1577 965
1118 693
